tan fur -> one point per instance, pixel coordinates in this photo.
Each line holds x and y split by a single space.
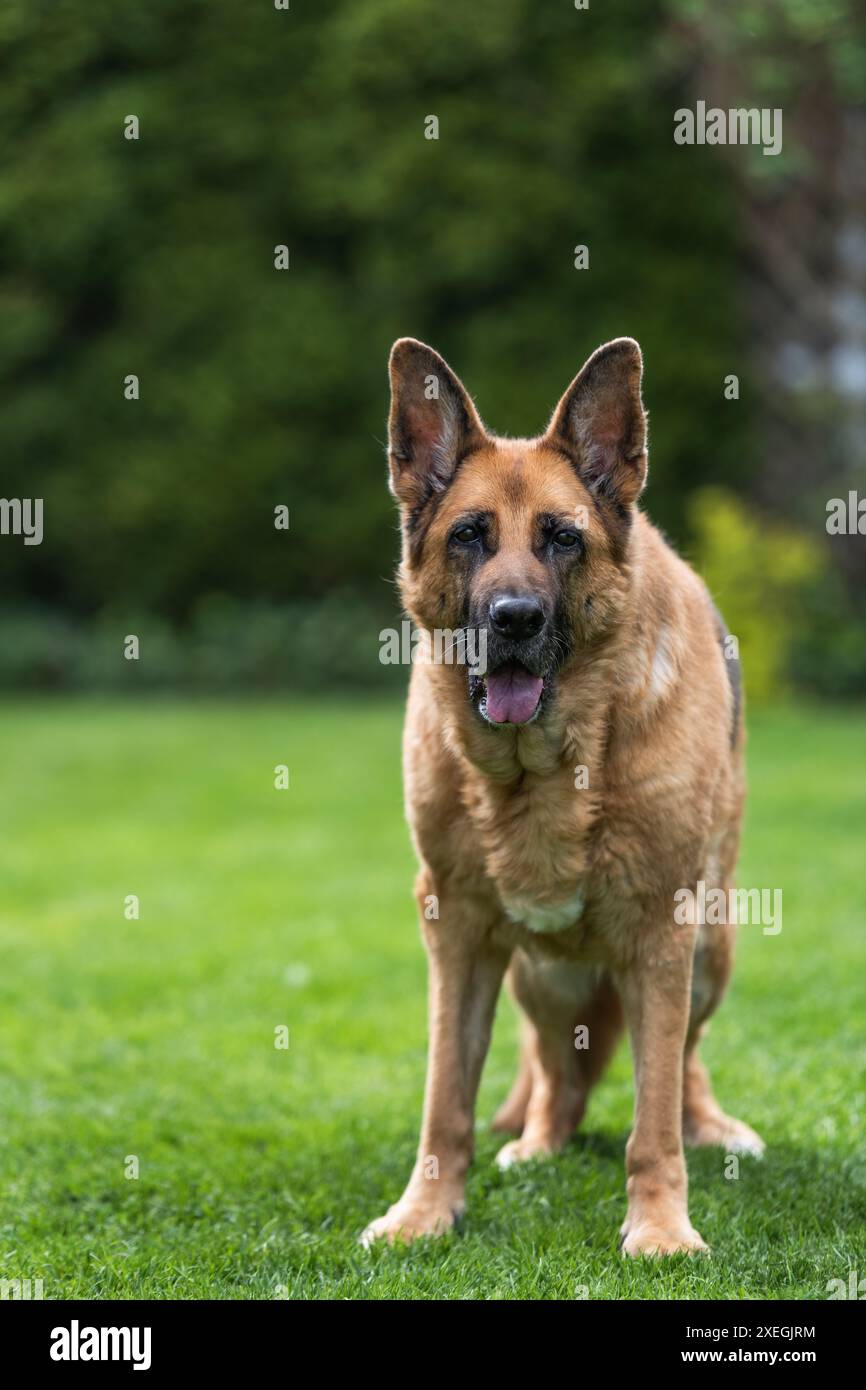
503 836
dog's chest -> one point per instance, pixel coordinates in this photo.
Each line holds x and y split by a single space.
537 848
540 916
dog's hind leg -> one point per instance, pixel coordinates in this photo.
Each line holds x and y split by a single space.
556 1071
603 1016
704 1121
511 1115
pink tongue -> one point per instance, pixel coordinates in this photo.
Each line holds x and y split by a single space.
512 695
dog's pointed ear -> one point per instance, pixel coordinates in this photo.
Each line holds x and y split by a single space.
602 424
432 424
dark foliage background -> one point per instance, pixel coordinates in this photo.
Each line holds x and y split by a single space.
305 127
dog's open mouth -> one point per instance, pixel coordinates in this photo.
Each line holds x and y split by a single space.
509 695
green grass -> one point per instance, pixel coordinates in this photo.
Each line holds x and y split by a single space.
258 1166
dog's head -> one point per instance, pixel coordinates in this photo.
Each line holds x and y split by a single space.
522 542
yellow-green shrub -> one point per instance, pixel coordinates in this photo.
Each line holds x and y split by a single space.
760 573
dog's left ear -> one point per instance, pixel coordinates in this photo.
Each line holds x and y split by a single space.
602 424
432 424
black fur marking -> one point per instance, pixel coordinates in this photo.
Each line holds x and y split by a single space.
615 517
420 518
418 523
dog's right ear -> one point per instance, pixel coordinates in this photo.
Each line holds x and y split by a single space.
432 424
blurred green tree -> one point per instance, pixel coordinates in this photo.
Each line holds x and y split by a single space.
262 387
306 127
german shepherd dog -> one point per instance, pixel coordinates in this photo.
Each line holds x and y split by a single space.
559 799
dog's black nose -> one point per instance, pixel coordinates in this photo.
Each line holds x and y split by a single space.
516 618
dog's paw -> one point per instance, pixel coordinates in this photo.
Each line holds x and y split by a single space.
522 1151
656 1239
407 1221
724 1132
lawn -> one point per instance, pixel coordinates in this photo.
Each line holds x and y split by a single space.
150 1043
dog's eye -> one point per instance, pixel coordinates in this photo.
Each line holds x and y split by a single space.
566 540
465 535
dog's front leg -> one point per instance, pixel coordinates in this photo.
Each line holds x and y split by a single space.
465 976
655 992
